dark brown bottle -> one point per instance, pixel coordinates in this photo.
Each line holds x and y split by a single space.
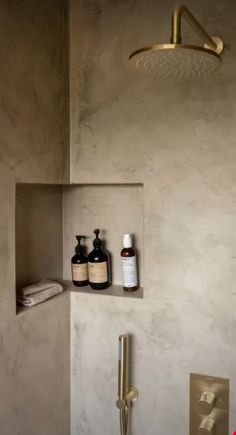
79 265
129 265
98 265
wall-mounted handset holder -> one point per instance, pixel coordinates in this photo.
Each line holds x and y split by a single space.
126 394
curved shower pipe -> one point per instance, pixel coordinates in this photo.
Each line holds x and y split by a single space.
180 11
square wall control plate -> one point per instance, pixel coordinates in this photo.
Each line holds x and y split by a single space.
209 405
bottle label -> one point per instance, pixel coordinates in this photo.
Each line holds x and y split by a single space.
79 272
129 271
98 272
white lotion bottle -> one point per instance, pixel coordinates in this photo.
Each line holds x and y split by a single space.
129 265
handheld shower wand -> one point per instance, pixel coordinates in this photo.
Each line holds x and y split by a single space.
126 393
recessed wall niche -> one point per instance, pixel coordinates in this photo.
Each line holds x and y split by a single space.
115 209
38 233
48 217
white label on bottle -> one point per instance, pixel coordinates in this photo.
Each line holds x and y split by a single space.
98 272
129 271
79 272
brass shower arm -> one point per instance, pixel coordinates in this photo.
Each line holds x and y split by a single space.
182 11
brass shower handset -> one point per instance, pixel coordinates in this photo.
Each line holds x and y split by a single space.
126 393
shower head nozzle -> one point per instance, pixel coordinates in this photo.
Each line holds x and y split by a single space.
176 60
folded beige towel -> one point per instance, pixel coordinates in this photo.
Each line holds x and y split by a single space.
44 284
45 290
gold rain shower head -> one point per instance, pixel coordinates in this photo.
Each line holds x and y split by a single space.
177 60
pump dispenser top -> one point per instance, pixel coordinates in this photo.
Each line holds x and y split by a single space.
79 248
97 243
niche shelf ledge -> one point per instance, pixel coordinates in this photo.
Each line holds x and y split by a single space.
20 310
113 290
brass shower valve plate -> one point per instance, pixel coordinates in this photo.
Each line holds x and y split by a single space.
209 405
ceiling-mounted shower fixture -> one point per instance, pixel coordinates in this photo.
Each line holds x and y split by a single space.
178 60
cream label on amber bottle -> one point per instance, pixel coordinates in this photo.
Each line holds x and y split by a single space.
98 272
80 272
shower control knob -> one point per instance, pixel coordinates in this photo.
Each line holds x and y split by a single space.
207 426
207 402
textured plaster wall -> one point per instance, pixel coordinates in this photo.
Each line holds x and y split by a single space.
34 346
178 139
33 89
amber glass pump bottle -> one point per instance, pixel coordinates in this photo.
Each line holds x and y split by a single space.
79 265
98 265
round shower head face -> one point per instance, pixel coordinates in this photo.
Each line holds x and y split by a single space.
176 61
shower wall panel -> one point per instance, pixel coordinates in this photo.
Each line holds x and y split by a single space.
178 140
34 351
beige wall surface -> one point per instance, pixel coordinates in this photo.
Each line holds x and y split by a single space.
33 89
178 139
34 346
